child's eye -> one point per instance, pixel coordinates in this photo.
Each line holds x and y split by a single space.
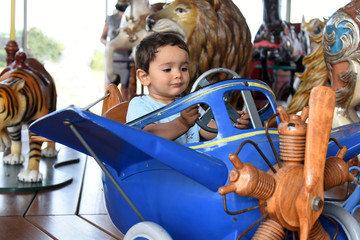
184 69
167 69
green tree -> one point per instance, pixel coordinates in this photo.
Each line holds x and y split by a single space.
4 38
97 61
42 47
2 58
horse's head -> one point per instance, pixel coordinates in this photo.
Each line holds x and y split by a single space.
314 26
134 18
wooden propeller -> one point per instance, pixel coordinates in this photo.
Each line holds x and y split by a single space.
310 199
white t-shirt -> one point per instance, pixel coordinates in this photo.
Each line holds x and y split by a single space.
142 105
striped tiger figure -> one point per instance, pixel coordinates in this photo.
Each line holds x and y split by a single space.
27 92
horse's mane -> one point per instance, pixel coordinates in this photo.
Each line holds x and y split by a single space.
315 74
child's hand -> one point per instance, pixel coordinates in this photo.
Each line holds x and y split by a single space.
189 116
243 122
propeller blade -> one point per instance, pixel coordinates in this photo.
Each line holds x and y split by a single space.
310 199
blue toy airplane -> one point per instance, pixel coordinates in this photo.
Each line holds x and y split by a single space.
158 189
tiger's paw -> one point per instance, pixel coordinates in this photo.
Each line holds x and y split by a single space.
30 176
49 152
13 159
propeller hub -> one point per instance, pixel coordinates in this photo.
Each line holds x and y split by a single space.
281 205
317 203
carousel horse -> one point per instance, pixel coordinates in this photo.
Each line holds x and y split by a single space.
335 62
213 30
313 33
279 40
278 43
131 31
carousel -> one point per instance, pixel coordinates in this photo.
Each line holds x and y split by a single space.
71 173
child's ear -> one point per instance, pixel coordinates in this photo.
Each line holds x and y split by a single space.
143 77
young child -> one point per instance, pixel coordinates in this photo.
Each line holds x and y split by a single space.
161 62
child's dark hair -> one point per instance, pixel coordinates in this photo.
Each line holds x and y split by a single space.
148 47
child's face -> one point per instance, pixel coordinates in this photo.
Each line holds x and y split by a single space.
168 74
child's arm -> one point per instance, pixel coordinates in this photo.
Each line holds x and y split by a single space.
174 129
243 122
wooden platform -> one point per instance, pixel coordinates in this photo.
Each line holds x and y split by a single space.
74 211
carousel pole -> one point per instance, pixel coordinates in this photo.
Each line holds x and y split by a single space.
288 11
24 35
11 47
12 22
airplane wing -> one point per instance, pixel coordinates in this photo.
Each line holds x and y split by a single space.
347 135
119 145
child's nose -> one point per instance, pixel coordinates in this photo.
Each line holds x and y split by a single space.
178 73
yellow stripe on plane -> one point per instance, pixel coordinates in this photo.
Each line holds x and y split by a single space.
232 138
